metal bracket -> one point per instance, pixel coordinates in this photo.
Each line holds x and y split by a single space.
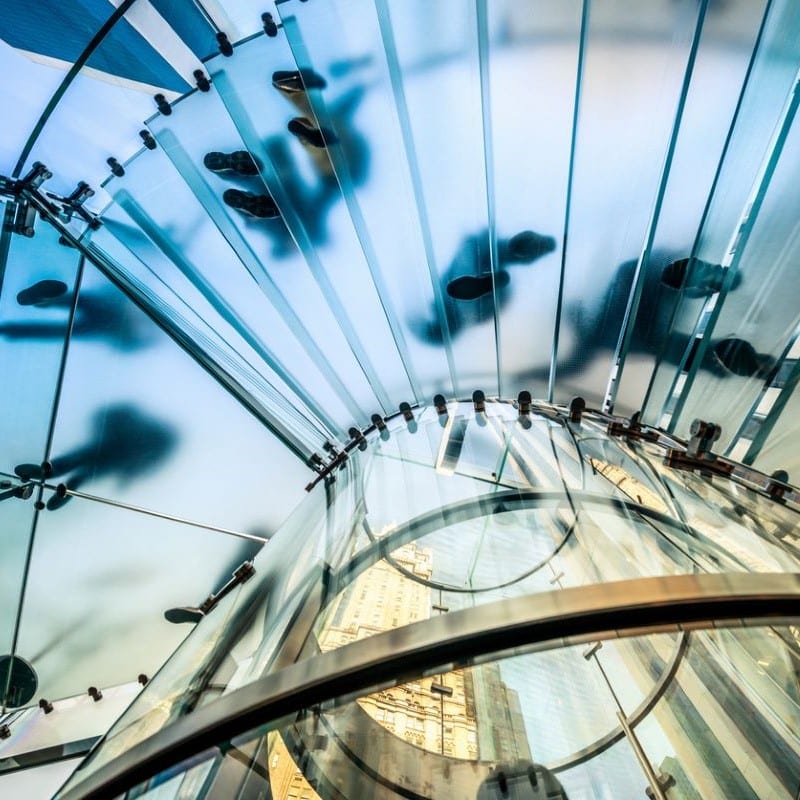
241 575
270 26
664 780
777 486
632 429
698 455
357 437
22 491
225 47
576 408
24 212
66 207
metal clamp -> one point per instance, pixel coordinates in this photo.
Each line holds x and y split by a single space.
632 429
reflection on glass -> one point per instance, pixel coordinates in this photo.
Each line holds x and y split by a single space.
770 79
33 333
688 715
518 507
635 64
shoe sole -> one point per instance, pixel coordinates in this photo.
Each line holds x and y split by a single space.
307 134
250 204
290 82
470 287
239 162
41 292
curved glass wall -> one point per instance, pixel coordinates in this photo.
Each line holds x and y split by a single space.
466 516
537 724
372 202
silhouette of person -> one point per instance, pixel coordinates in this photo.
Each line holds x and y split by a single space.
99 315
598 328
124 442
471 289
522 780
314 203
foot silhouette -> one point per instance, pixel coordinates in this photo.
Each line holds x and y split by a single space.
471 287
253 205
240 162
41 293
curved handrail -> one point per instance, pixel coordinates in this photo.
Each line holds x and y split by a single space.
605 611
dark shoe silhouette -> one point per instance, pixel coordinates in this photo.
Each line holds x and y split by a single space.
42 293
698 278
57 501
471 287
59 498
527 246
293 81
29 472
240 161
739 357
253 205
309 134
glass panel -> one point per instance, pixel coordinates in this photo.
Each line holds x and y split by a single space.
72 721
156 432
770 81
121 571
38 280
635 62
533 61
301 182
212 341
442 60
700 710
723 57
778 450
170 216
264 249
439 517
240 18
175 688
39 783
756 321
727 725
27 94
372 156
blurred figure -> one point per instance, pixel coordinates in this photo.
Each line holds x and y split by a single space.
470 287
598 327
124 442
313 202
103 315
522 780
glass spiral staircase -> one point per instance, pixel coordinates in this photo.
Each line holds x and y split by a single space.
504 292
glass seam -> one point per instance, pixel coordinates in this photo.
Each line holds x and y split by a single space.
738 242
579 71
632 308
404 122
709 202
248 259
482 31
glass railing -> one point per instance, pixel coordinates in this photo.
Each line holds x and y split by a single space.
710 714
450 513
